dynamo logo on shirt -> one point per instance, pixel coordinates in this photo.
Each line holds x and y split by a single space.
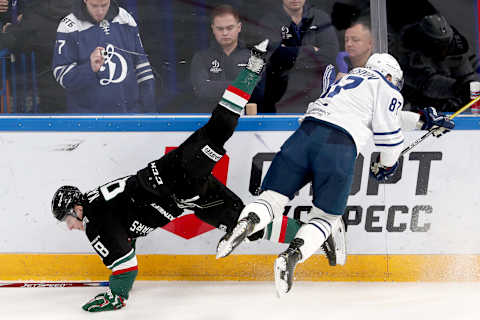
109 54
216 67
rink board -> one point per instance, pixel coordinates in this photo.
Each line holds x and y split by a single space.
422 227
88 267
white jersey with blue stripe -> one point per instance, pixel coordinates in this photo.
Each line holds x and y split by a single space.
366 105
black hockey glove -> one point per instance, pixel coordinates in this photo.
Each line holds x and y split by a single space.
431 119
381 172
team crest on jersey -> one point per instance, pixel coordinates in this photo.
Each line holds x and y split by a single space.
105 25
113 60
286 33
216 67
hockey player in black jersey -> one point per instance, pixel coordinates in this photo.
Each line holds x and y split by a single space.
130 207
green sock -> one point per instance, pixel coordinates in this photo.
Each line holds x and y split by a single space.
121 284
282 230
124 272
238 93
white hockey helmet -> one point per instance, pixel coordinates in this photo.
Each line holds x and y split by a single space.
386 65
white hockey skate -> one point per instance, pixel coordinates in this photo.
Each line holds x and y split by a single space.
335 246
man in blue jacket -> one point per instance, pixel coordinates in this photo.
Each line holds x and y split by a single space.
99 59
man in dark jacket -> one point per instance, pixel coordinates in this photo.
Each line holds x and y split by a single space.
307 42
438 69
214 68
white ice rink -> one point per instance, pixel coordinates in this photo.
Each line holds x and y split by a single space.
255 300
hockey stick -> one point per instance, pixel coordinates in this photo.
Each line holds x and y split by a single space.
53 284
430 132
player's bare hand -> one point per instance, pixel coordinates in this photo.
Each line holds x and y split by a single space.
340 75
3 6
96 58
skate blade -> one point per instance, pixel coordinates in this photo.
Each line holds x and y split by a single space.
226 246
281 285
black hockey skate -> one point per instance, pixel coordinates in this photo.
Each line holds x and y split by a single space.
285 266
232 239
335 246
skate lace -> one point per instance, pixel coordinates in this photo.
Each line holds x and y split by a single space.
255 64
109 293
290 251
294 247
327 249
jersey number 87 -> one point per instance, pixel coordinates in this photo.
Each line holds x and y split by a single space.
354 82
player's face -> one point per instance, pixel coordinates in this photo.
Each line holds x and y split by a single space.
389 78
358 42
97 8
75 223
226 29
293 5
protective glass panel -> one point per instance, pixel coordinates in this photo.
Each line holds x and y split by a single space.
436 45
78 56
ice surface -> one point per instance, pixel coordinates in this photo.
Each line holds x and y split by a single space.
255 300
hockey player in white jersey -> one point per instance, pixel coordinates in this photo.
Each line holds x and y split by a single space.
365 103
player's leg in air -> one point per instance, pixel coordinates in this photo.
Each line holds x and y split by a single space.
186 168
220 207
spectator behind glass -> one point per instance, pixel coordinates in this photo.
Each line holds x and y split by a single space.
214 68
359 45
11 12
100 61
436 64
36 33
306 42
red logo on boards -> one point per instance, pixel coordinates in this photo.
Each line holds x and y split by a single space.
188 225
